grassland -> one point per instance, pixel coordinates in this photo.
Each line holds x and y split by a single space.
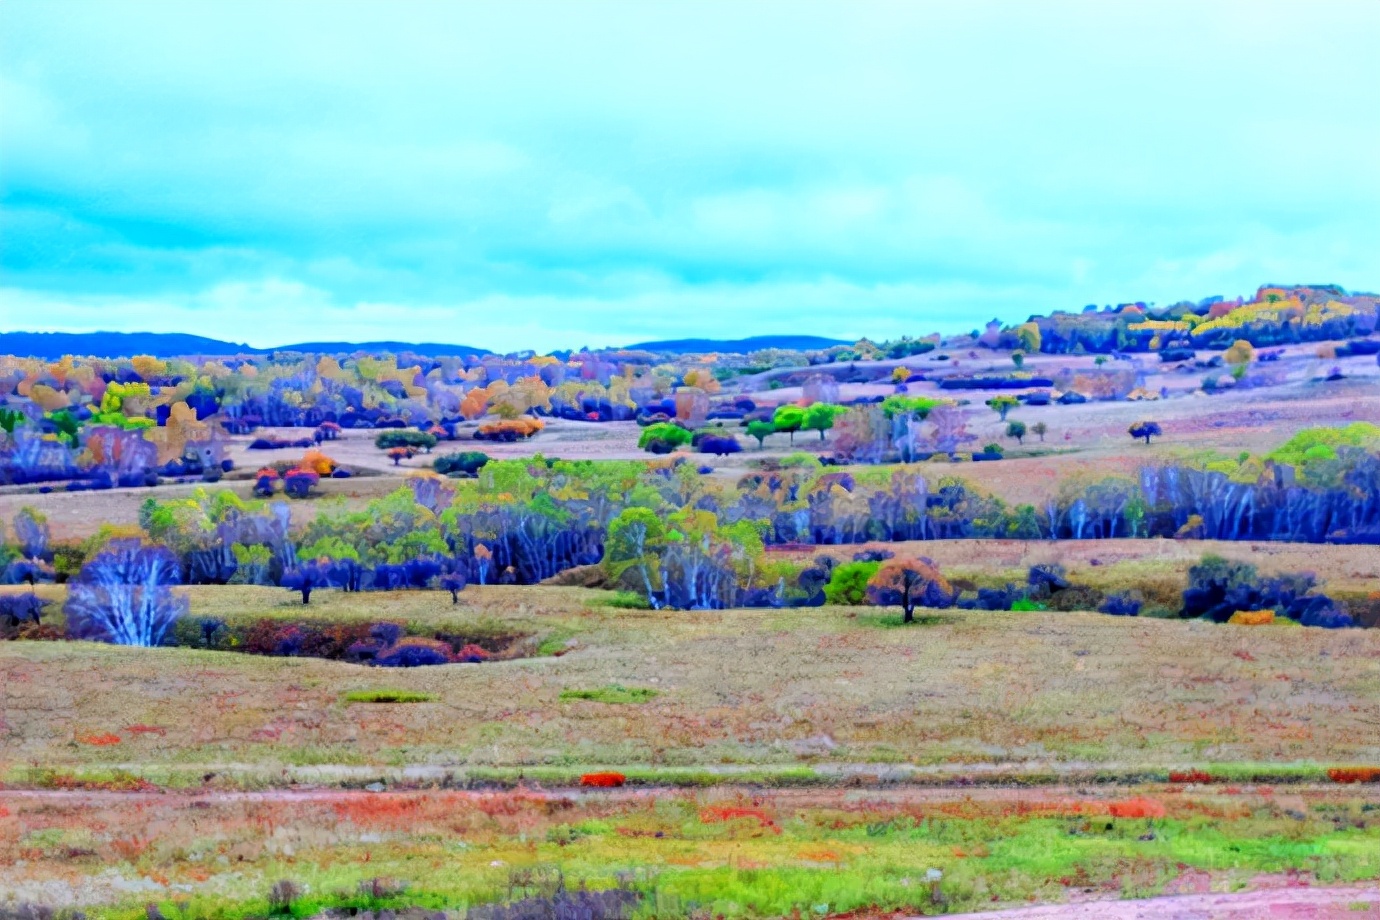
828 688
768 853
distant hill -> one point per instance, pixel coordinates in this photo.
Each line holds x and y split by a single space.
51 346
429 349
740 346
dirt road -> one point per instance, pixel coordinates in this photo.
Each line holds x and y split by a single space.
1274 903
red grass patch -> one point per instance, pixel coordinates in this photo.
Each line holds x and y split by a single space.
1354 774
603 780
99 740
373 808
146 730
1136 808
1190 776
720 813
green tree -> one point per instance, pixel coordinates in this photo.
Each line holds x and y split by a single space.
1016 430
820 417
663 437
760 429
1002 405
848 583
789 419
1039 428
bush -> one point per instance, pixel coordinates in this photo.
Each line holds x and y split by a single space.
663 438
298 483
607 780
1121 605
413 652
464 463
402 437
509 430
719 446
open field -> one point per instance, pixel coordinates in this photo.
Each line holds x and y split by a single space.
832 688
730 853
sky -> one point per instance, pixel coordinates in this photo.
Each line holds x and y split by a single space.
551 175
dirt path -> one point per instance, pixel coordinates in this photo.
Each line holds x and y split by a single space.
1280 903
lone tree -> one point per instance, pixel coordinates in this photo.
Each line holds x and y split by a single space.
760 429
909 583
1002 405
454 582
1039 428
1016 430
123 595
303 578
1146 430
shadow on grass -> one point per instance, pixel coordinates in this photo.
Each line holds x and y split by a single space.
897 621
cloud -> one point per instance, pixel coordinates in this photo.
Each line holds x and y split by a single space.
683 168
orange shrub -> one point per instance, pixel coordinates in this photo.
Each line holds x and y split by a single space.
603 780
318 462
1252 618
1136 808
511 429
99 740
1354 774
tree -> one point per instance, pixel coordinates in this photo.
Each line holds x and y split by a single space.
663 438
1039 428
464 463
402 437
761 430
1016 430
820 417
635 540
909 583
123 595
789 419
31 529
848 583
1002 405
454 582
1239 354
1018 359
1146 430
11 419
303 578
1029 336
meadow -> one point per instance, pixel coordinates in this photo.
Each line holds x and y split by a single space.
633 677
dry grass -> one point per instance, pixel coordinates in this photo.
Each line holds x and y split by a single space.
767 854
831 686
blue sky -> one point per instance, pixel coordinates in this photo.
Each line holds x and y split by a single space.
557 174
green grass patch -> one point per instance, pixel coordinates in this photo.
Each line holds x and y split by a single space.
613 693
388 696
